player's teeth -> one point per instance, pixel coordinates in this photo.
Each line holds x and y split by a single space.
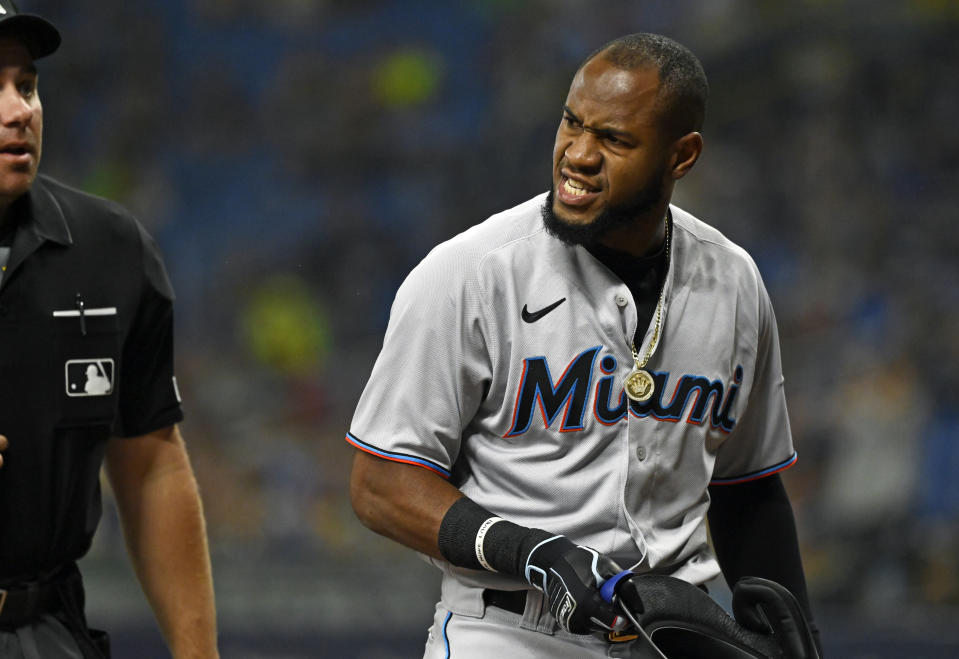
574 187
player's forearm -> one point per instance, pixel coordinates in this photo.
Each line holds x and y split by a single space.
166 538
402 502
754 534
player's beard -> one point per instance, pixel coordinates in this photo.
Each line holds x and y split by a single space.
590 233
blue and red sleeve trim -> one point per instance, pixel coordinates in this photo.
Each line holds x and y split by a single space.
397 457
756 475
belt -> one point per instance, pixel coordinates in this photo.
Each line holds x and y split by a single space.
23 603
513 601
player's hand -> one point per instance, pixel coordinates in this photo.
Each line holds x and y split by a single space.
570 576
3 445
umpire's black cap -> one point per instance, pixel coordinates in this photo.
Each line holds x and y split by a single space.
36 33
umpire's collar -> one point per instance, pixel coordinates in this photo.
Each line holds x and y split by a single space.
40 214
38 218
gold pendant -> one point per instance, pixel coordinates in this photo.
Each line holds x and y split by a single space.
639 385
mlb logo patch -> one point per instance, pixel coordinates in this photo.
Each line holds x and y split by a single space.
89 377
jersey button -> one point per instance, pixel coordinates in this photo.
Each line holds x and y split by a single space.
641 453
621 300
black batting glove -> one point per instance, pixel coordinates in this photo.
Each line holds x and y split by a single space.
571 577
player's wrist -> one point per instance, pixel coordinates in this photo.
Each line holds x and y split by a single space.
472 537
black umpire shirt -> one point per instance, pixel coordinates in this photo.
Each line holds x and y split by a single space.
86 353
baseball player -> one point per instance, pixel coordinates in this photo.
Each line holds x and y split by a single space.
569 389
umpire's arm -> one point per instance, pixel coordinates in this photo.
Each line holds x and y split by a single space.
165 533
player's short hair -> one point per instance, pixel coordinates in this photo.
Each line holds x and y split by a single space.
683 87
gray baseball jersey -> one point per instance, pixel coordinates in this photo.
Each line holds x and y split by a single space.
502 369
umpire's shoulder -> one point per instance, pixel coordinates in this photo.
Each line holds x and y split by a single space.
100 227
90 216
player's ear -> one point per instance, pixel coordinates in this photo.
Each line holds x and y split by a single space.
685 153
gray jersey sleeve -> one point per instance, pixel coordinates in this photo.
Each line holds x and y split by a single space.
761 443
433 369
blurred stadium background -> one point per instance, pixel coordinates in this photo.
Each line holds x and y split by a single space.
295 158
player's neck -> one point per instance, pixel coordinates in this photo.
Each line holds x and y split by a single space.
644 237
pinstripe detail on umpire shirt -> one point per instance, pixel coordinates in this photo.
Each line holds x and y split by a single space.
396 457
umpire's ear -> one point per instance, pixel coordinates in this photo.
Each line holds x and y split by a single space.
766 607
685 153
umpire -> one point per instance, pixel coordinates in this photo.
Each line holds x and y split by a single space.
86 378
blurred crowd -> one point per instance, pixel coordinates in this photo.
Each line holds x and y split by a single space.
294 159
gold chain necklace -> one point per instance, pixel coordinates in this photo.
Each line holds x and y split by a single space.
639 384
